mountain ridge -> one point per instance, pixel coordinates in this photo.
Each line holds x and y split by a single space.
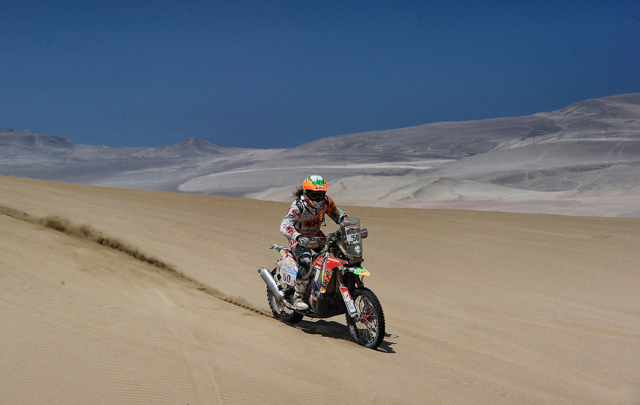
593 114
583 159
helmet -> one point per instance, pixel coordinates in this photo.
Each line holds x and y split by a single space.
314 188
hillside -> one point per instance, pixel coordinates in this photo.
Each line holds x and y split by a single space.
580 160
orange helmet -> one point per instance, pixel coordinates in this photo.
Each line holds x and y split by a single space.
314 188
314 183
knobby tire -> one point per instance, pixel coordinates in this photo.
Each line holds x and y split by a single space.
369 330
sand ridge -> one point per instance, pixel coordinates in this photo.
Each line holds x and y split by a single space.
481 307
87 233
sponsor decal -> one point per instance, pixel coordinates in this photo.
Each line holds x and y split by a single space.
333 262
348 301
313 223
325 281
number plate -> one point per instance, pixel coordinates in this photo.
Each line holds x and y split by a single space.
289 275
353 234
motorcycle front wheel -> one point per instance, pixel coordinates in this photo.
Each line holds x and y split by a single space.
281 312
368 328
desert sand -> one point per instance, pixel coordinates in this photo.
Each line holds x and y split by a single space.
481 307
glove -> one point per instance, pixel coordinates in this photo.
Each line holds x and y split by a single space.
343 219
303 240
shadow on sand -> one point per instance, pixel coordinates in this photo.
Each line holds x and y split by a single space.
337 330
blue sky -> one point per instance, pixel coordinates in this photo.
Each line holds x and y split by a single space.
272 74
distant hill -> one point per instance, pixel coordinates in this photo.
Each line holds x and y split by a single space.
29 139
583 159
190 147
608 116
34 142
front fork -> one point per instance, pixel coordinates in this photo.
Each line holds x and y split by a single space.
346 296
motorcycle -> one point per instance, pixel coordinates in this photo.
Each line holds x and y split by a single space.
335 284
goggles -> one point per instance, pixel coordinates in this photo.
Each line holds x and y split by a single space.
315 195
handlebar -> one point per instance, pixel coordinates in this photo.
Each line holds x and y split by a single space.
315 242
331 239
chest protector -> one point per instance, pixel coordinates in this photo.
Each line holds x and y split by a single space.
308 222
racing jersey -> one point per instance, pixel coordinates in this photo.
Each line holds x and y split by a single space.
301 221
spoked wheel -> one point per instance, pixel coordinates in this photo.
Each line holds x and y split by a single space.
281 312
368 330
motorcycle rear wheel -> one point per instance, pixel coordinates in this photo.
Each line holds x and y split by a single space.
281 312
369 330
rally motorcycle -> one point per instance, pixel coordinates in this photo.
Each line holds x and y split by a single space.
335 284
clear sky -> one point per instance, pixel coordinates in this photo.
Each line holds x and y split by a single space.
272 74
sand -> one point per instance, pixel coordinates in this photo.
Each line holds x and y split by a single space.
481 307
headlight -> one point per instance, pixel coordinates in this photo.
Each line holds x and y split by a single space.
357 249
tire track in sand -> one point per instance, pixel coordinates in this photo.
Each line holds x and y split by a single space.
87 233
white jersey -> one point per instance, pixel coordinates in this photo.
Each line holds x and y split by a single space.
302 221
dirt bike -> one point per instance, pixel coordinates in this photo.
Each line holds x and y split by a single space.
335 284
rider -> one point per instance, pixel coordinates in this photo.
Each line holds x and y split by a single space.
303 221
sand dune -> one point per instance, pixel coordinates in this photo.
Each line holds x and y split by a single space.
481 307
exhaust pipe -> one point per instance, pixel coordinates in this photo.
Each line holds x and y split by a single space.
271 283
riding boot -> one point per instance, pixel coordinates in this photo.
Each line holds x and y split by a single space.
298 297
